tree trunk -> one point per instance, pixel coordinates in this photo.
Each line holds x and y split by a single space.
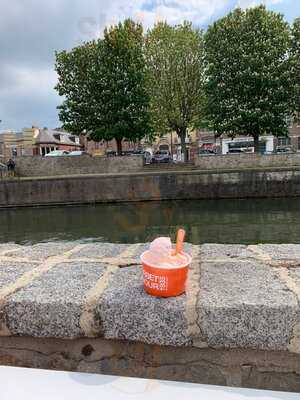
256 143
182 134
119 146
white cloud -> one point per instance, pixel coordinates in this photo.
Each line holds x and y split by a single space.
174 11
31 31
253 3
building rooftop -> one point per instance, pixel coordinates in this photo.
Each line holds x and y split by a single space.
56 137
40 136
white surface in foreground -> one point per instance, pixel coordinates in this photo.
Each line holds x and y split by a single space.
33 384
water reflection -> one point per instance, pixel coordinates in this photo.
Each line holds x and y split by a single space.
223 221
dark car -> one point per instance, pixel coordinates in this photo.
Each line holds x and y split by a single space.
235 151
207 152
111 153
281 150
162 156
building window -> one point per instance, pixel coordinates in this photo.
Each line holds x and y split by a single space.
45 150
284 141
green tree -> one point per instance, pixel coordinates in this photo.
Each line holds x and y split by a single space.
80 72
103 83
248 74
174 57
295 57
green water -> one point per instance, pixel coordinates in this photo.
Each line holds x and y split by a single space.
220 221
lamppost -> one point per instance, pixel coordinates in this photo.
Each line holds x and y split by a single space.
171 146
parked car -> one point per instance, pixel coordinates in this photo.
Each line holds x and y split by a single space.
162 156
281 150
57 153
207 153
235 151
78 153
111 153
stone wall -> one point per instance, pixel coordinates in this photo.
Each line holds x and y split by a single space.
3 173
170 185
82 307
3 169
236 161
236 368
53 166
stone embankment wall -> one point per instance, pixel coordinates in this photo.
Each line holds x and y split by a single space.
146 186
81 307
76 165
236 161
82 165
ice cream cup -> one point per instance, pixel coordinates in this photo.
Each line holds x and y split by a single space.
165 282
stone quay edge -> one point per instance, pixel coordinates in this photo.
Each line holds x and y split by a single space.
238 296
150 186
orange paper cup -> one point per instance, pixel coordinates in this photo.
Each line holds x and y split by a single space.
163 282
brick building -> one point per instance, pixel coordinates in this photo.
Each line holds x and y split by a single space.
49 140
13 144
171 142
35 141
107 147
293 140
268 144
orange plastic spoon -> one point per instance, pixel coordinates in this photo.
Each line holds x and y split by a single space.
179 242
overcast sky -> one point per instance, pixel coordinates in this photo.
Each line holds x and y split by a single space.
31 31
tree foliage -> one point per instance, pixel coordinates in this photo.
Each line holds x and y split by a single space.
81 109
174 57
295 58
241 77
103 83
248 74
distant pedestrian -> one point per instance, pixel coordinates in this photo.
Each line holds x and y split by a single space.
11 165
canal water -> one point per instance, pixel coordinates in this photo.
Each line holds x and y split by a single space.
211 221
